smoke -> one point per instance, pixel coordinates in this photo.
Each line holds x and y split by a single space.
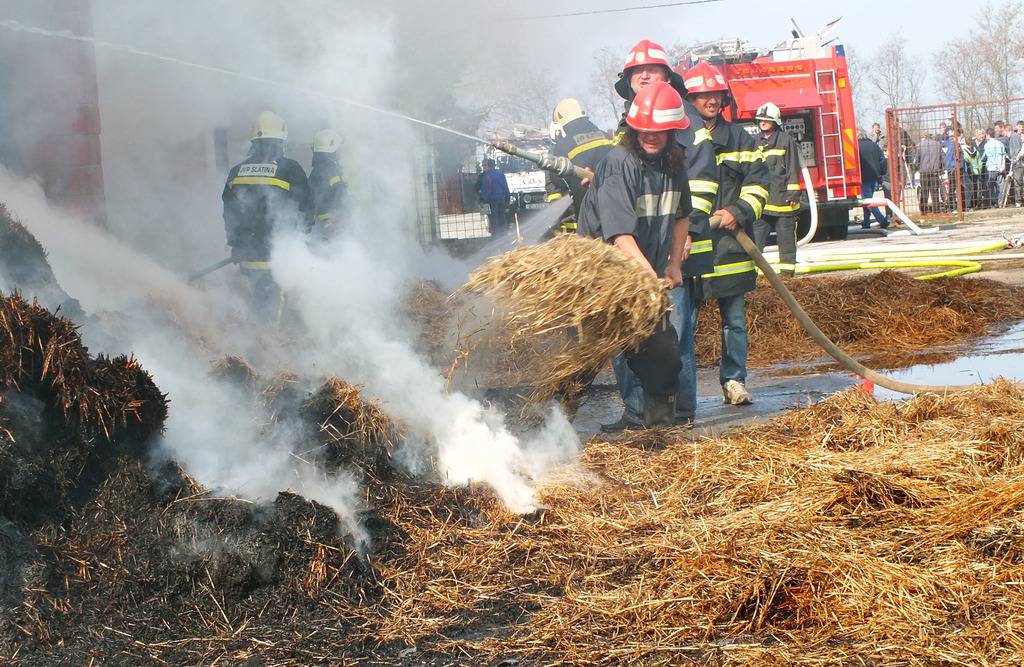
169 134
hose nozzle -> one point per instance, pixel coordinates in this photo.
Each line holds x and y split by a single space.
557 164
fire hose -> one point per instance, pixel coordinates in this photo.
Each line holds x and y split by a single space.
564 167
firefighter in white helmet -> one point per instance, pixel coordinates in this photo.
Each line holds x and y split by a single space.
264 193
639 201
780 212
326 182
578 139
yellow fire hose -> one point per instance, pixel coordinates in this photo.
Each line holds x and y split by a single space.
896 258
565 167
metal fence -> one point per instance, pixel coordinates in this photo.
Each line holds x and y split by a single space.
936 158
446 174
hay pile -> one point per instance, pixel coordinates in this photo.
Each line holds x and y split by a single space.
846 532
566 306
42 355
353 429
436 318
849 532
886 317
24 267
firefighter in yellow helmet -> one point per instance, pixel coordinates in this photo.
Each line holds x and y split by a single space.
264 193
578 139
783 161
326 183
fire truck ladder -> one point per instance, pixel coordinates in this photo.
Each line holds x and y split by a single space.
828 117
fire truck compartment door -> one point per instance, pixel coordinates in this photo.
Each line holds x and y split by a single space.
751 94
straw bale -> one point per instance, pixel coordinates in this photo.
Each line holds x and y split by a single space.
567 306
887 317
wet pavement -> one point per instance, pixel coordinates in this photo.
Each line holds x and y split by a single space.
999 355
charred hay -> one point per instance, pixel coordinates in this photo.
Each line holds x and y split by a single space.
72 415
886 317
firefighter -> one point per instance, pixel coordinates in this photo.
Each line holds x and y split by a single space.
732 180
578 139
638 201
782 160
266 192
325 182
646 64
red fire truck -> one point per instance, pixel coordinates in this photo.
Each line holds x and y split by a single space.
808 79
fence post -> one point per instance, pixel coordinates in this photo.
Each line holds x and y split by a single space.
892 147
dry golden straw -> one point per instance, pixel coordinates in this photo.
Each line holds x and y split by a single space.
569 304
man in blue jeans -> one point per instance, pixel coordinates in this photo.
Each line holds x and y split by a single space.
872 161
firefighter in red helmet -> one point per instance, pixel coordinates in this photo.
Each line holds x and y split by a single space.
733 180
638 201
647 63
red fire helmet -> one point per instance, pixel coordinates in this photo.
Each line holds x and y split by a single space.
645 52
704 78
657 108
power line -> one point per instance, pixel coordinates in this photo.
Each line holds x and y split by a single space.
618 11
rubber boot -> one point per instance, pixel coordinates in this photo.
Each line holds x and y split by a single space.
659 410
626 422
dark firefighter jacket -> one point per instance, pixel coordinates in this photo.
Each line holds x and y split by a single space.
731 176
636 196
328 188
701 259
585 146
782 161
266 191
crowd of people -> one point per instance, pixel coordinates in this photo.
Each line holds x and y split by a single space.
981 170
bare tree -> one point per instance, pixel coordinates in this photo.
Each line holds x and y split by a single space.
894 76
605 104
985 64
865 101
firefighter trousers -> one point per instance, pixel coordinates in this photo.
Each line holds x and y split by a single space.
683 318
266 300
784 227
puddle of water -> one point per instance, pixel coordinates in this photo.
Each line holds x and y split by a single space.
997 356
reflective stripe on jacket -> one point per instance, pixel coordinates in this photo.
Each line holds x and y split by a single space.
585 145
263 193
328 188
727 171
782 162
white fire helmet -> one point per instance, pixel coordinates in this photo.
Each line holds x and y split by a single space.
269 126
565 111
770 113
327 141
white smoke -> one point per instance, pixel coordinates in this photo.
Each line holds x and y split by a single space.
163 191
